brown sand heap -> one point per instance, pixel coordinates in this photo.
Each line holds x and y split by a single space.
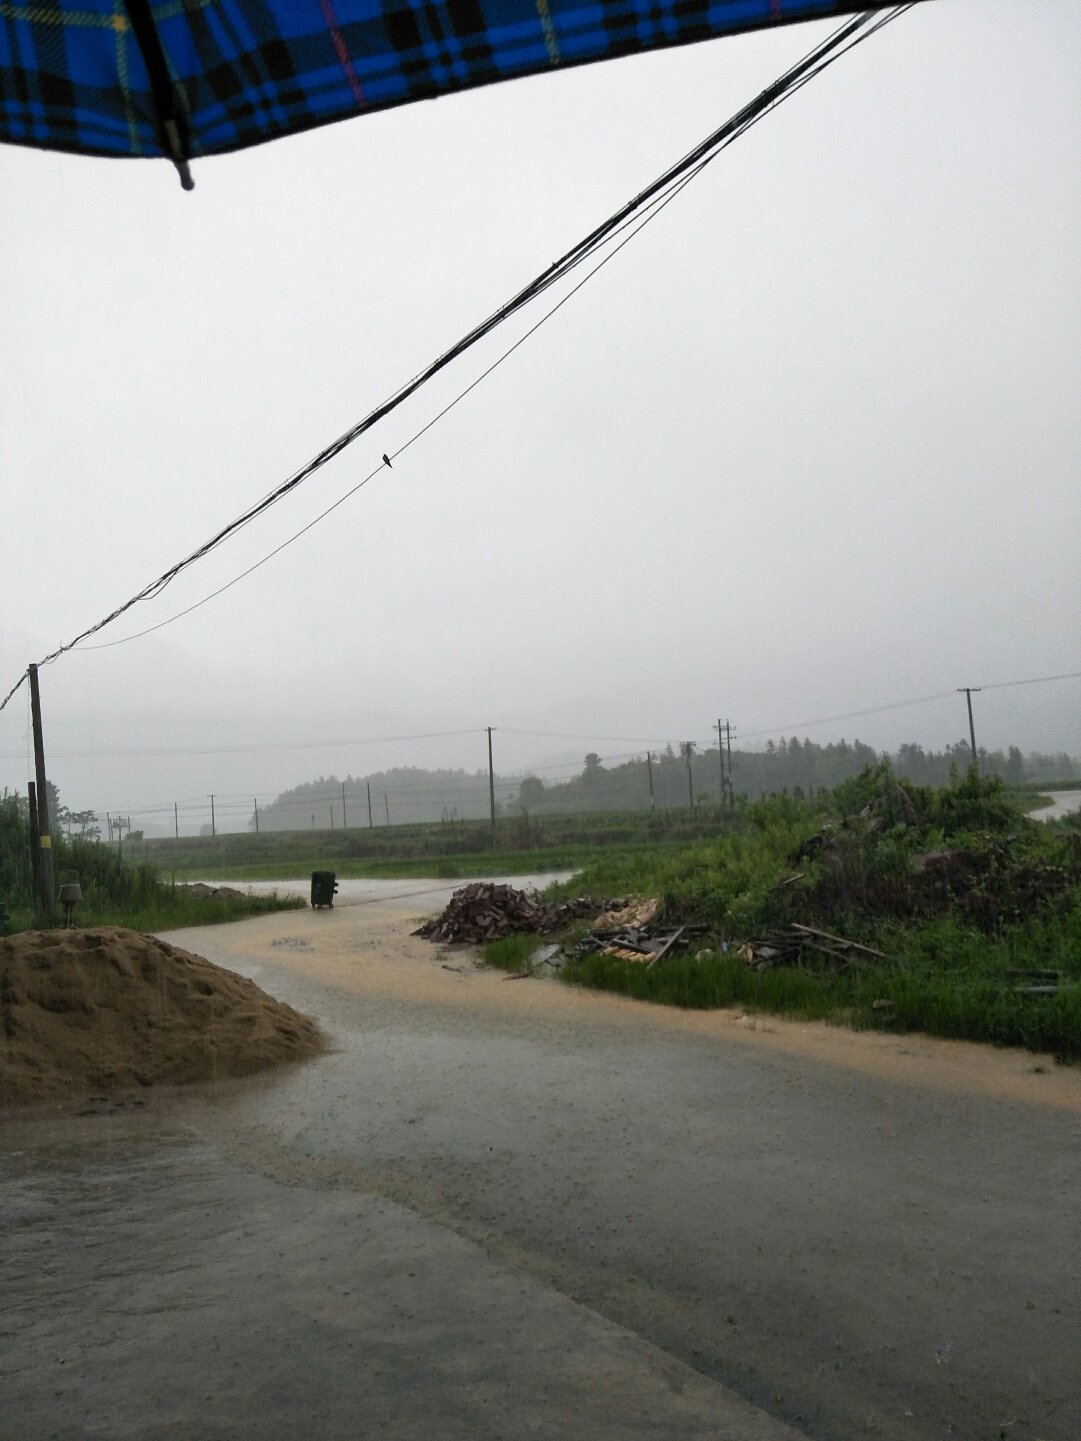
97 1009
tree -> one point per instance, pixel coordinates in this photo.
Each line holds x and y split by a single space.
80 825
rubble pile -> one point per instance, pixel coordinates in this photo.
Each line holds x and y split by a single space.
485 911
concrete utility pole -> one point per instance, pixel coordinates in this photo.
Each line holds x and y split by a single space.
491 784
213 820
369 785
386 802
690 785
649 768
968 691
256 800
344 824
45 841
176 822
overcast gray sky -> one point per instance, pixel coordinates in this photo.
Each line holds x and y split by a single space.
808 446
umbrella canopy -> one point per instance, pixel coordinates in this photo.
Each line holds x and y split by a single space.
188 78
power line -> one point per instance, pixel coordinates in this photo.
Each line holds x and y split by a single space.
902 704
845 38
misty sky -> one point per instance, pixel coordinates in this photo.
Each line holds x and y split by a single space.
808 446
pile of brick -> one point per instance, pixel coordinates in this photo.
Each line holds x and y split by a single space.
486 911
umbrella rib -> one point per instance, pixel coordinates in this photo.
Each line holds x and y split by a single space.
170 117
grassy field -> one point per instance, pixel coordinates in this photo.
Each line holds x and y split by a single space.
446 851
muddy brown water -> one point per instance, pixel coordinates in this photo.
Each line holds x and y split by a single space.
511 1208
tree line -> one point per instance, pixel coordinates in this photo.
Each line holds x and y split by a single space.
666 780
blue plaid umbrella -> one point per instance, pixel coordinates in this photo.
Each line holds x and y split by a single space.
187 78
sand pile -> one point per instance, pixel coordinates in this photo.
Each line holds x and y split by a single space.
103 1008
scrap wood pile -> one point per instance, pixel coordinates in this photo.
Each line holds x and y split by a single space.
626 931
647 945
813 950
485 911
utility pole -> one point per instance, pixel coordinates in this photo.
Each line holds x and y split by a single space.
330 808
369 785
256 800
968 691
491 785
109 823
213 820
386 802
344 823
649 768
176 822
690 785
45 839
720 758
731 787
35 849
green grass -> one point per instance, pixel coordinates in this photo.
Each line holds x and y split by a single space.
950 953
512 953
169 910
944 979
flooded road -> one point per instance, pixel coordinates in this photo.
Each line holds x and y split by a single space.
1063 803
418 895
516 1209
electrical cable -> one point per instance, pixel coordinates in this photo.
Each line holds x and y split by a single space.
634 223
840 41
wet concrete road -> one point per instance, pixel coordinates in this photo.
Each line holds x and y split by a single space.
505 1209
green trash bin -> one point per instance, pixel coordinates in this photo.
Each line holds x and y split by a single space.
324 888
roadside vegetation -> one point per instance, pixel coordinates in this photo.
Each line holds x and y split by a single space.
975 909
114 891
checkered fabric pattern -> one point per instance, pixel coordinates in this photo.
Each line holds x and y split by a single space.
72 75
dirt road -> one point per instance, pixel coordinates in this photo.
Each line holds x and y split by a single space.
508 1208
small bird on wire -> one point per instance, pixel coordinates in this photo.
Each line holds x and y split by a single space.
386 460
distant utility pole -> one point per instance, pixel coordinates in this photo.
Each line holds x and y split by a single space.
687 747
108 822
46 898
369 785
330 808
213 820
386 802
731 787
968 691
344 822
176 822
491 785
256 800
649 768
720 757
